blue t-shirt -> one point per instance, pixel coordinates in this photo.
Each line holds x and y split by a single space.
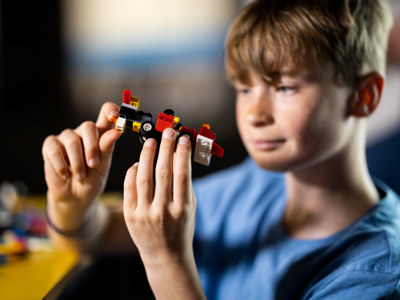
243 252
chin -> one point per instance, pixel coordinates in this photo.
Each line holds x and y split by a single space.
276 161
269 164
272 167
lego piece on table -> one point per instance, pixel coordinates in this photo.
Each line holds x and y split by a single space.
3 259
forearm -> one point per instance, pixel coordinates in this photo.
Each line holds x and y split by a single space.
93 233
178 280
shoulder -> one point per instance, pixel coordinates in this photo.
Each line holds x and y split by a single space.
380 227
365 261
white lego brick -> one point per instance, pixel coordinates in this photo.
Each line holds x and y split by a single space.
202 154
120 124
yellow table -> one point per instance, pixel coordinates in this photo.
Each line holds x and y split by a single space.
33 276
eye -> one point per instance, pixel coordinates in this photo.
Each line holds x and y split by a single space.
287 90
241 89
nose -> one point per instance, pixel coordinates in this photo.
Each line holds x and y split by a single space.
260 111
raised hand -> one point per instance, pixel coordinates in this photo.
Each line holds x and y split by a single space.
76 165
160 218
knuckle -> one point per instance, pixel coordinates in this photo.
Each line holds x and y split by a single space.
51 148
61 169
142 181
47 143
147 154
109 106
182 177
163 174
181 212
88 125
129 182
129 216
52 152
72 140
49 139
66 132
160 214
167 145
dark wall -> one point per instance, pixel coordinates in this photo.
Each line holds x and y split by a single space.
32 88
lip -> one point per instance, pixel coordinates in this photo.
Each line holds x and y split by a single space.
267 145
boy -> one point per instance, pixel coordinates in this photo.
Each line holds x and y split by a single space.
307 75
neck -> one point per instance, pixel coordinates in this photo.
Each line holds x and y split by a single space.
326 198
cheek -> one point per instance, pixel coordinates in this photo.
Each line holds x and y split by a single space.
306 126
315 129
240 116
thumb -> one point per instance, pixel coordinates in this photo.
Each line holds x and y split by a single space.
107 113
106 145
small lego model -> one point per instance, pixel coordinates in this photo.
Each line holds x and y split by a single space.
203 142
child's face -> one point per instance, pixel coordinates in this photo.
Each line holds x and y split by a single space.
295 122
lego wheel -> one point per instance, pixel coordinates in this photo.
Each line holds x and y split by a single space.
147 129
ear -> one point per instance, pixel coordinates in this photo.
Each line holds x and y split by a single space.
367 95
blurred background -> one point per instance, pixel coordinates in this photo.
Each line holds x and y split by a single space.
60 60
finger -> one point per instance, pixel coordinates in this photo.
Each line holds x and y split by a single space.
107 141
130 189
164 167
90 139
55 157
74 149
144 181
108 111
182 172
106 145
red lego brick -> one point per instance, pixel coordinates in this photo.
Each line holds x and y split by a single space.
164 121
126 96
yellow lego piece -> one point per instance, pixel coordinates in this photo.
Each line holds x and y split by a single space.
176 120
136 126
135 101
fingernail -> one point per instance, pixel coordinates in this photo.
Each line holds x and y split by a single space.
169 134
184 139
136 164
80 176
93 162
149 143
113 114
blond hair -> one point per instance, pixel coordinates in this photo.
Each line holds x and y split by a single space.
350 35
